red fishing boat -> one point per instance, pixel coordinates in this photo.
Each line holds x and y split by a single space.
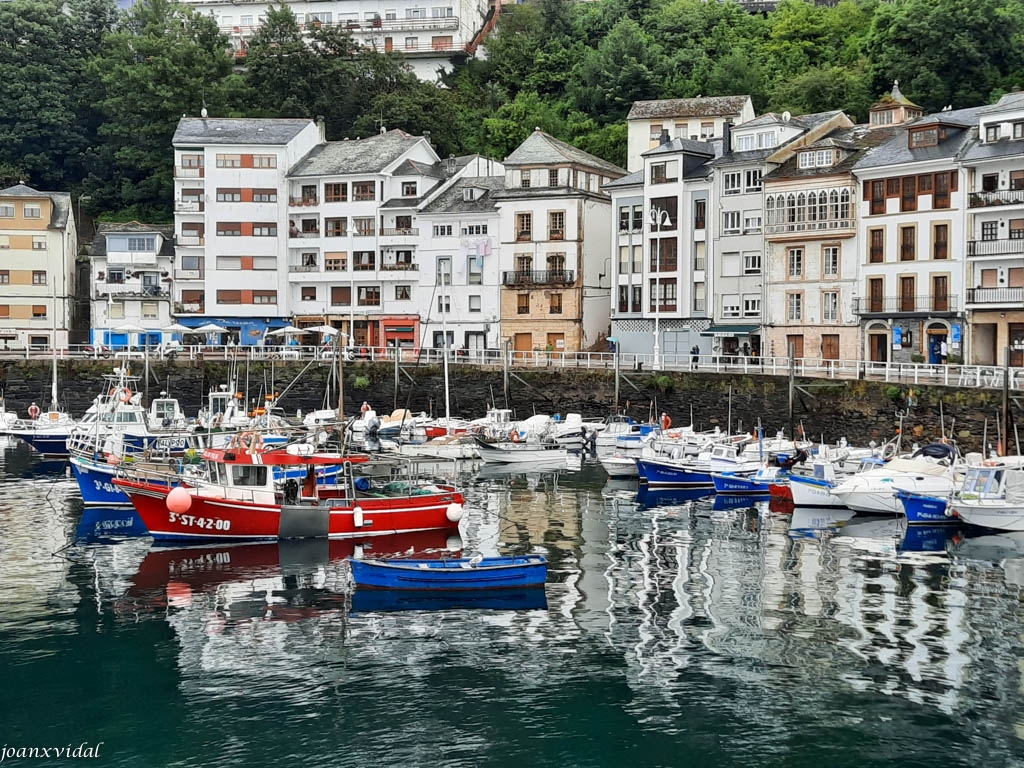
234 496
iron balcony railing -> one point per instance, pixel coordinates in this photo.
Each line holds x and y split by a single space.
998 197
995 247
895 305
541 277
995 296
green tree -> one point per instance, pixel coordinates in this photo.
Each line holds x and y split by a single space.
281 70
415 109
516 120
821 89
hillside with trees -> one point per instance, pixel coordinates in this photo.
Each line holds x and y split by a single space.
92 95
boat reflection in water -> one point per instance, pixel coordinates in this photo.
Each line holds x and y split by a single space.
649 498
365 601
99 524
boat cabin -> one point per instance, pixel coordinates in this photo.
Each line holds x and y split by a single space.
992 479
166 413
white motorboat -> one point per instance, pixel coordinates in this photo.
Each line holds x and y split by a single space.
815 489
619 465
930 471
992 495
509 452
573 432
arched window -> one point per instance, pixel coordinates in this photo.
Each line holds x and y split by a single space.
812 206
844 205
801 207
822 206
769 210
790 208
833 204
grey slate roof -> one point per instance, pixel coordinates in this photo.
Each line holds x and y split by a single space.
541 148
702 106
858 140
679 144
451 200
369 155
897 150
99 243
895 96
1008 101
219 130
976 150
807 122
416 168
634 179
61 202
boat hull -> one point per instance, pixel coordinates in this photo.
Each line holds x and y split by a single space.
229 520
811 492
519 453
458 574
661 474
922 509
388 600
47 443
994 514
96 484
619 466
738 485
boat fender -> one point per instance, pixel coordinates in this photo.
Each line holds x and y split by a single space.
514 435
454 512
357 517
453 543
179 500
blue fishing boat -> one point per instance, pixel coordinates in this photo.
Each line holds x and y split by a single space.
921 508
669 472
743 484
514 599
459 573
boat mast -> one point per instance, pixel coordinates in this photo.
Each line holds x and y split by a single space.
444 335
53 384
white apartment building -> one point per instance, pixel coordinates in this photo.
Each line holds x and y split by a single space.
994 166
460 274
910 229
699 119
231 221
130 269
38 246
430 36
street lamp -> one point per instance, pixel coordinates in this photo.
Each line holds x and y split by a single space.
659 218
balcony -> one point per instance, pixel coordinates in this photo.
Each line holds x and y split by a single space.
303 201
995 247
399 232
400 266
136 290
189 274
304 265
189 206
829 225
524 235
189 173
998 197
995 296
303 233
556 234
905 305
144 258
542 277
190 240
189 308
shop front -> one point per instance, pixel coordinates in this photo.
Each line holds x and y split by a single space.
734 341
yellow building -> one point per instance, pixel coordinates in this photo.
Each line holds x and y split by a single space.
38 244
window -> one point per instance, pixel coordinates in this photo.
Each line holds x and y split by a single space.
623 298
556 225
149 309
336 193
524 179
1018 130
940 293
731 182
5 311
637 298
707 130
264 161
555 306
908 244
794 306
265 195
444 304
830 260
229 161
227 263
876 251
1017 229
638 218
908 198
940 198
830 307
744 143
191 161
730 222
666 290
33 211
925 137
5 277
412 43
751 306
752 181
474 229
522 304
752 262
907 294
940 241
553 177
363 261
660 172
655 132
39 277
664 255
38 243
442 230
1016 180
335 227
368 295
699 213
229 297
767 139
308 293
115 275
730 305
363 191
147 244
6 211
624 211
638 259
403 293
992 132
751 222
264 230
363 226
229 229
341 295
408 189
116 311
264 263
524 226
229 195
877 197
475 303
796 262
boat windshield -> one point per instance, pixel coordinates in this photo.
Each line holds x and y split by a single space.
164 409
982 480
249 475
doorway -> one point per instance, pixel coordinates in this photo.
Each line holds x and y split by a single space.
522 343
556 344
878 347
830 346
1016 338
795 341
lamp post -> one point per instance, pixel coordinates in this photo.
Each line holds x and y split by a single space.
658 218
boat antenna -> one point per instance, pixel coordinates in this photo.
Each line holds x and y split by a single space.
728 418
942 422
984 440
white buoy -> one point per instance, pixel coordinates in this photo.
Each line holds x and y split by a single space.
357 517
453 542
454 512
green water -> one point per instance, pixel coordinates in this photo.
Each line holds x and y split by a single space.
673 635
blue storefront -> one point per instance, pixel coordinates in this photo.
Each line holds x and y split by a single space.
116 340
245 331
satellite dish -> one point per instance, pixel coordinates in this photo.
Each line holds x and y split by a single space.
786 116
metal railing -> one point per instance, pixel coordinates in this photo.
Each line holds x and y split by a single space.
188 206
969 376
189 173
997 197
303 233
895 305
399 232
401 266
808 226
539 277
995 296
190 240
995 247
304 200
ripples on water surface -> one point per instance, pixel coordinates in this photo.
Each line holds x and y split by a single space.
674 634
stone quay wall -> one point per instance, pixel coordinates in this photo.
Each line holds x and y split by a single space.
861 410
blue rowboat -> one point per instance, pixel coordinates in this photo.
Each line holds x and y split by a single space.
667 473
741 485
514 599
460 573
920 508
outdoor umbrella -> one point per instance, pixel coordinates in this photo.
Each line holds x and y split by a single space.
129 328
176 328
209 328
287 330
326 330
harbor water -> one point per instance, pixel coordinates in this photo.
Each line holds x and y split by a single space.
670 633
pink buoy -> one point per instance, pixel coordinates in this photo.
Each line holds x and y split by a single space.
179 500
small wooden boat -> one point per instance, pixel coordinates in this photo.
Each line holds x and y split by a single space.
460 573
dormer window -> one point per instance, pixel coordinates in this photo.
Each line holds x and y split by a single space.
469 194
1018 130
992 133
745 143
883 117
924 137
820 158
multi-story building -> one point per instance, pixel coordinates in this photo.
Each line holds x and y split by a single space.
130 269
698 119
994 165
38 246
660 231
910 229
430 37
737 269
231 220
554 246
460 277
812 254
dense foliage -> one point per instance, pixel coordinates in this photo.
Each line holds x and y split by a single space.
91 96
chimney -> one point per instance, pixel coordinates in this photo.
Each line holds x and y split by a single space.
664 139
726 137
426 135
322 127
451 165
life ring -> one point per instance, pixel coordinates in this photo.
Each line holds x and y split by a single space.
514 435
33 411
990 463
126 396
889 451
